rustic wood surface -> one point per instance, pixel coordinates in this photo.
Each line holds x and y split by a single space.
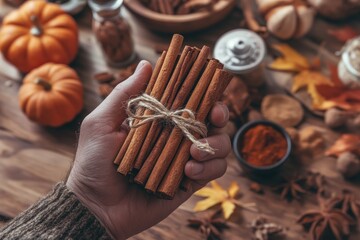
34 158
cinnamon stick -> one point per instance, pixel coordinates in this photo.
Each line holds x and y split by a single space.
184 64
140 111
179 100
156 169
175 135
170 183
157 91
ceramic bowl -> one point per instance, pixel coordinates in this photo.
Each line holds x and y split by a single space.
179 23
265 169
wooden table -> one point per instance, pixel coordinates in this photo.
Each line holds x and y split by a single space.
34 158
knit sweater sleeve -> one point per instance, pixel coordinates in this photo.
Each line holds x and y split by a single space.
59 215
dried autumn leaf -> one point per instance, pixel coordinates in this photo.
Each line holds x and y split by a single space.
217 195
335 76
346 143
343 34
309 80
347 100
337 95
290 61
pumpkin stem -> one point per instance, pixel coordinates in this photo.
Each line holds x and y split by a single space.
43 83
36 29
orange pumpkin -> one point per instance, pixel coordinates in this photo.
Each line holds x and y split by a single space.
37 33
51 95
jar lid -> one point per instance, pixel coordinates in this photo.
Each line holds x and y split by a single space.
240 50
351 56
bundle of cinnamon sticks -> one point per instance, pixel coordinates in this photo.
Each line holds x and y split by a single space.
155 153
179 7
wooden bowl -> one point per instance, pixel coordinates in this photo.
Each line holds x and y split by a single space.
179 23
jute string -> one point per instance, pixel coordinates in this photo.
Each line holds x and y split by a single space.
188 125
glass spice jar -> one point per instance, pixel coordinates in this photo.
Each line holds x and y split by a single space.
113 32
349 65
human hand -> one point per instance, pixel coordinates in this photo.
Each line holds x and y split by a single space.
126 209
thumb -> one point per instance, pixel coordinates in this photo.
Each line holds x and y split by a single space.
112 109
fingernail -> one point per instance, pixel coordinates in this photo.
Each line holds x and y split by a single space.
196 169
140 65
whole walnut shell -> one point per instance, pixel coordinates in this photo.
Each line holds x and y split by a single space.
336 9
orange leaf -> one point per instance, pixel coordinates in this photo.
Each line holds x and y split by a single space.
343 34
335 75
290 61
347 100
346 143
315 63
329 91
337 95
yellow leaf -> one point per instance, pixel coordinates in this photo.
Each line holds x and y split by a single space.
290 61
217 195
216 186
283 65
309 78
206 204
233 189
324 105
208 192
228 209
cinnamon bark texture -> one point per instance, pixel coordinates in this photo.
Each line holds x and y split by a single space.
181 70
128 161
141 111
181 97
187 86
176 136
170 183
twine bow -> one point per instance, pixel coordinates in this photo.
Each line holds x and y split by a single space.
159 112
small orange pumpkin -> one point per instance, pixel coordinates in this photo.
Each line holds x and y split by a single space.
51 95
38 33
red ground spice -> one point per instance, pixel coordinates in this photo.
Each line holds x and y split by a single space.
263 145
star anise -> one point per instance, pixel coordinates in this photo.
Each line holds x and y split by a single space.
210 225
326 223
314 182
264 230
292 188
347 203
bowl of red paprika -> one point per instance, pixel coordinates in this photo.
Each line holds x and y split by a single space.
262 147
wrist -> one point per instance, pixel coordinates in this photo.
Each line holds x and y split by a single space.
95 208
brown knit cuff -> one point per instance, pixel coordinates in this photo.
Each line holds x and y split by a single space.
59 215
